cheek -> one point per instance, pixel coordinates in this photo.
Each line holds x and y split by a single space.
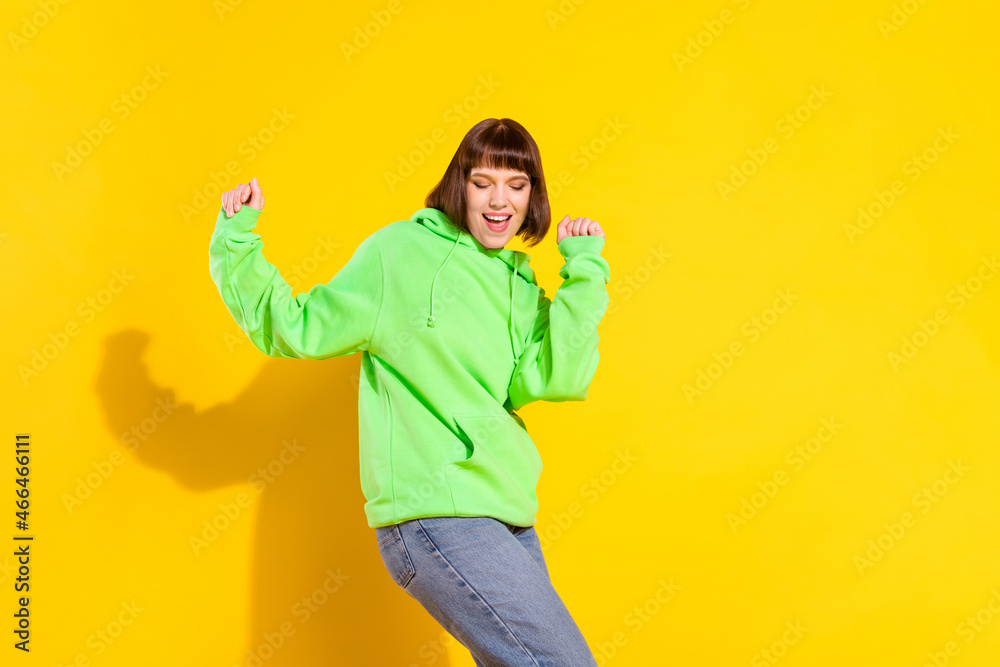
474 197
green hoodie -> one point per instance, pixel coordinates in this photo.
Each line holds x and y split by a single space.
454 338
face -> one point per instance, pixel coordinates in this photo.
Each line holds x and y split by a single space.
497 193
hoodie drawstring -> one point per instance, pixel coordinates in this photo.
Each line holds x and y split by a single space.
511 325
430 313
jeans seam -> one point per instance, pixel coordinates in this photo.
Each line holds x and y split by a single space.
409 571
478 595
393 532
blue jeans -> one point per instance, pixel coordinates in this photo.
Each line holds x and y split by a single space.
486 583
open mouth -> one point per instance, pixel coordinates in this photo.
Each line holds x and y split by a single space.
497 223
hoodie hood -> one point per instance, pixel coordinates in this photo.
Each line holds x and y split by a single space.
518 262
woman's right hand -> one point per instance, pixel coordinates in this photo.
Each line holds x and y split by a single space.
578 227
243 194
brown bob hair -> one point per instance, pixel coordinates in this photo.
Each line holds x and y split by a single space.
498 144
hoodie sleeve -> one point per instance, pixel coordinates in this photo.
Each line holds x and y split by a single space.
331 320
561 356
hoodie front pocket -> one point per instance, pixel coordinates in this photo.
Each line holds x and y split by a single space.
501 472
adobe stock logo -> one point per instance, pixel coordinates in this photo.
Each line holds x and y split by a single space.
454 116
636 619
48 9
960 296
88 310
924 500
796 457
899 17
786 126
779 648
753 329
123 106
218 180
967 629
714 28
363 35
914 167
585 155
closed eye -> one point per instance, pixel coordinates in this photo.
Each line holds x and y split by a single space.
483 187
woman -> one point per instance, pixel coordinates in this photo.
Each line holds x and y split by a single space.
455 335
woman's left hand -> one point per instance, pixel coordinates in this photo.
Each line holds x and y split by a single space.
578 227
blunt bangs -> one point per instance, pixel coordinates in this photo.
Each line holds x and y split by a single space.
498 144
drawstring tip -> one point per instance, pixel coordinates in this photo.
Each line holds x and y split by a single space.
430 321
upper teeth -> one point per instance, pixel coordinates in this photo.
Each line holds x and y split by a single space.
497 218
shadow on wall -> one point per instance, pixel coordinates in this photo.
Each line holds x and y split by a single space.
310 518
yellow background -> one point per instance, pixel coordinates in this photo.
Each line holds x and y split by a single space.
691 269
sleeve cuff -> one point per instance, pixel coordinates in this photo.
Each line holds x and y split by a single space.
574 245
244 220
583 255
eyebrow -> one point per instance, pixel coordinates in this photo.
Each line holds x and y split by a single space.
519 177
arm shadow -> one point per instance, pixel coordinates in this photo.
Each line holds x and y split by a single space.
293 429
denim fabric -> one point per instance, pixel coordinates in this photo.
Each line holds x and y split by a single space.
486 583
